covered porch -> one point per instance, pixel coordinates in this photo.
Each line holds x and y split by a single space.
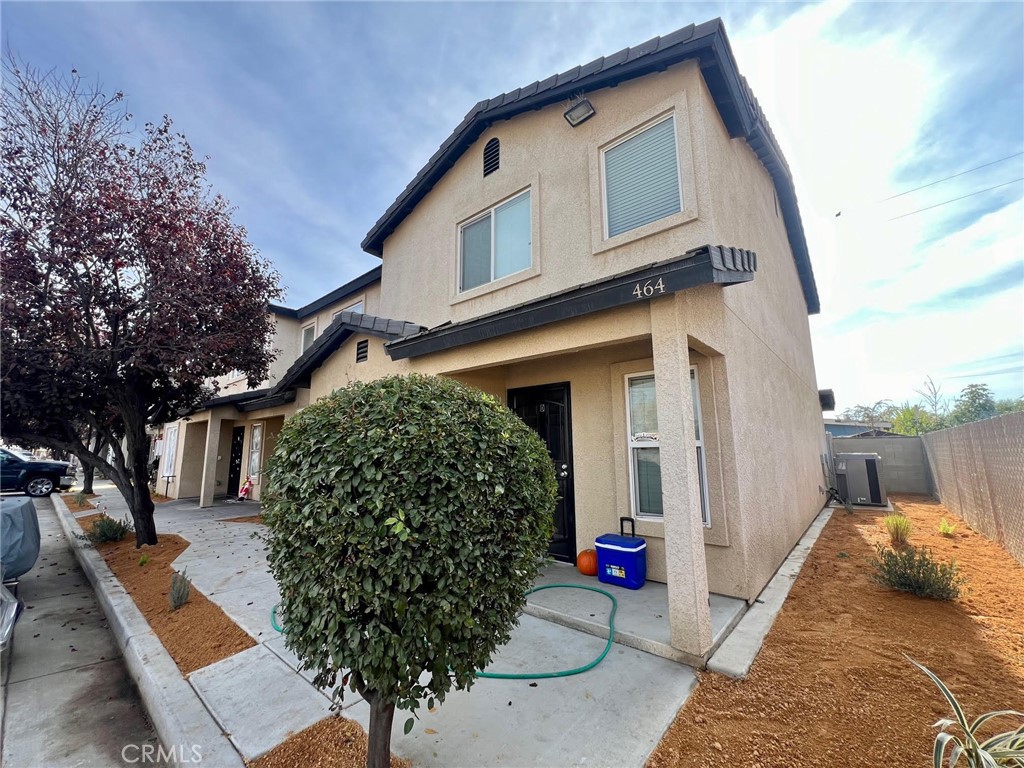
641 618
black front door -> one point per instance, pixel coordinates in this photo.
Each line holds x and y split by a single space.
235 468
547 411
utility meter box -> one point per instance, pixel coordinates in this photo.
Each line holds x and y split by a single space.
860 479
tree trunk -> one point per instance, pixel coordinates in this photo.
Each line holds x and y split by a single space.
142 511
88 472
135 478
378 754
382 714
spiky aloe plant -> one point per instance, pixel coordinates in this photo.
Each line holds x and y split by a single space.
1003 749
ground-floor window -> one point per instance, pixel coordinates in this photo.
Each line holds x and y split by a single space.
644 453
698 431
255 451
644 450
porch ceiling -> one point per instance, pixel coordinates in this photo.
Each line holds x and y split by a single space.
707 265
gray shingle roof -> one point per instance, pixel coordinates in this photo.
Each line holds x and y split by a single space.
345 325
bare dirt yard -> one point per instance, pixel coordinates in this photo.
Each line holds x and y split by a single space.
197 634
71 500
831 686
334 742
244 519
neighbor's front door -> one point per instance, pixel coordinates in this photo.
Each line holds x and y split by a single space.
546 409
235 467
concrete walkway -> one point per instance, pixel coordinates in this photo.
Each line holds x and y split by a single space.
67 697
613 715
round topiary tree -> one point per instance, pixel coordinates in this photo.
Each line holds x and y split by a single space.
407 519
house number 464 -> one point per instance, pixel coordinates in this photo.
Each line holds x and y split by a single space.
648 289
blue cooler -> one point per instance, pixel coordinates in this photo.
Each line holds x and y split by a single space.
622 559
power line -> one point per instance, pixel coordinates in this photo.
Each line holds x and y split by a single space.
962 197
939 181
947 178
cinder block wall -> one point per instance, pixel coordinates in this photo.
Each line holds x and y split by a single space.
979 473
904 464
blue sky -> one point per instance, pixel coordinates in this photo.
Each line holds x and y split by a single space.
316 115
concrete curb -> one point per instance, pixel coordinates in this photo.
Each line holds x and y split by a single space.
737 653
179 716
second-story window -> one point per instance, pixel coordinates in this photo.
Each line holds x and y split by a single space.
641 178
357 308
308 335
496 244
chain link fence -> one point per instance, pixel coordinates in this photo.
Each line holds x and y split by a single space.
978 471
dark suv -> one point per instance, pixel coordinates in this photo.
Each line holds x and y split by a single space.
35 478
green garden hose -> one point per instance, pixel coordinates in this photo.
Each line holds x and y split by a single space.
566 672
537 675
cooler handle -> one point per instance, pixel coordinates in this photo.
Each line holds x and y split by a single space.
632 526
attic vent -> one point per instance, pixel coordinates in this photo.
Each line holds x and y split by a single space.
491 152
362 350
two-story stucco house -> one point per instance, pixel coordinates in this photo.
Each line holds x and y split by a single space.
616 252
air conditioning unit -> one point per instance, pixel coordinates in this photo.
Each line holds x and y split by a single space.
860 480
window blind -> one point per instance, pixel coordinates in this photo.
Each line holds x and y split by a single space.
642 179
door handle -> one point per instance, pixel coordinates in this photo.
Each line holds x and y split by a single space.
563 473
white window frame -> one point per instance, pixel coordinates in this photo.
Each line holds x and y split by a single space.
302 337
604 176
170 451
361 304
702 465
257 428
631 445
489 213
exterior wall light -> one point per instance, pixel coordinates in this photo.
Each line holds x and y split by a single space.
579 112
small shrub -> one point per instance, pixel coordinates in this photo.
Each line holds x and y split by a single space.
106 528
946 528
1006 749
844 554
180 589
143 560
899 529
848 507
913 570
80 499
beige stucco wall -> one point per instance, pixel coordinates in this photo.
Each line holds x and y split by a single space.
750 343
224 456
191 466
771 384
560 165
341 368
370 296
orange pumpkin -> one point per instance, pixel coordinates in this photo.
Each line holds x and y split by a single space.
586 562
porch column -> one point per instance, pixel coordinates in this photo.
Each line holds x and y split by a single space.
688 611
210 451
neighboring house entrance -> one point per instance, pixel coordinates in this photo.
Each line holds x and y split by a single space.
235 468
546 409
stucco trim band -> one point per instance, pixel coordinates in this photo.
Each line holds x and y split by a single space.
709 264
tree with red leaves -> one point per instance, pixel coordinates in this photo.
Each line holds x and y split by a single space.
126 285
